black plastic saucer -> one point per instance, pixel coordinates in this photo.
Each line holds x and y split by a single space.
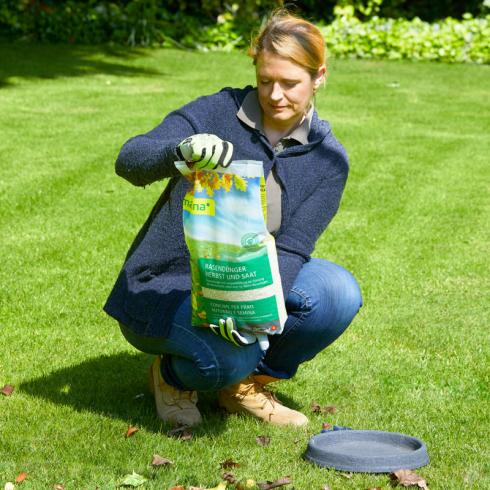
368 451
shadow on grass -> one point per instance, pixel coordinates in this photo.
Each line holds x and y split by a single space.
116 386
31 61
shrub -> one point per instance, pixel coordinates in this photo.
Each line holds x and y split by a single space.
448 40
133 22
216 25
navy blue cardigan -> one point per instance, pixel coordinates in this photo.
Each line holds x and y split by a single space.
155 277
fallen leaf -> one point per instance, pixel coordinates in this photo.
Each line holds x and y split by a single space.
182 432
9 486
133 480
186 436
408 478
180 487
325 487
58 486
7 390
374 488
249 483
159 461
21 477
317 408
229 477
267 485
326 426
347 475
263 440
221 486
131 431
229 463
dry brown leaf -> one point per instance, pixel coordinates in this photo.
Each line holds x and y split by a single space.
58 486
182 432
317 408
267 485
7 390
159 461
21 477
229 463
186 436
263 440
131 431
229 477
180 487
325 487
347 475
408 478
374 488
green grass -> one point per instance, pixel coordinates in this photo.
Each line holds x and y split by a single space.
413 228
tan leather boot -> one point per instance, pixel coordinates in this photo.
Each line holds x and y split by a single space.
172 404
250 396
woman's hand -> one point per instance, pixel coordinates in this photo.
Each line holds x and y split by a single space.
205 151
227 330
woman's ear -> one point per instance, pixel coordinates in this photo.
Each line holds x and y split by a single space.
320 78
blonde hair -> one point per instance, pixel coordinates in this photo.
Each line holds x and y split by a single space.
293 38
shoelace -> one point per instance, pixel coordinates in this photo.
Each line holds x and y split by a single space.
259 389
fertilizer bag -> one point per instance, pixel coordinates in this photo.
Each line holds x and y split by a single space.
233 257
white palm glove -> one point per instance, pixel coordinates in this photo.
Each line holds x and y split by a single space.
227 330
205 151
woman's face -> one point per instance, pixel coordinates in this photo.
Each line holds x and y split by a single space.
285 90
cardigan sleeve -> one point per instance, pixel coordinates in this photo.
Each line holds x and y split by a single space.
297 240
150 157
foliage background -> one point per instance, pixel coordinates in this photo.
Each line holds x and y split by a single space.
443 30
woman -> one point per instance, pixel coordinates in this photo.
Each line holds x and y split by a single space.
305 168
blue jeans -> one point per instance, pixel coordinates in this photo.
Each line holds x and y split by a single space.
321 304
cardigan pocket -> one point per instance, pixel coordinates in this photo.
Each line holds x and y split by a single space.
141 298
152 300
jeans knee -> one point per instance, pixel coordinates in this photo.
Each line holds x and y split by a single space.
352 296
213 372
339 284
330 295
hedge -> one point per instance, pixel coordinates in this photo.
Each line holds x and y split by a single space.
449 40
145 23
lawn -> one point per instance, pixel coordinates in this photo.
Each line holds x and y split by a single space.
413 228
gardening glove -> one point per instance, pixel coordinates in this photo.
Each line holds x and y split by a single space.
227 330
205 151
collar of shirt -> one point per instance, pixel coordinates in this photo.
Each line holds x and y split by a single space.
250 113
